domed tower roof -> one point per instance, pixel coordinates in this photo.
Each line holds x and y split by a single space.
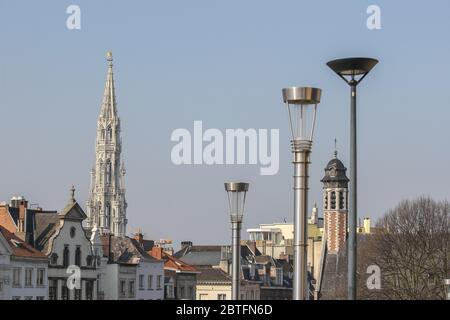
335 174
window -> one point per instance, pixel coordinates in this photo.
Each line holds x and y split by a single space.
73 231
333 200
89 290
16 277
16 298
66 255
221 297
131 288
341 200
141 282
182 293
108 172
40 298
28 277
89 260
54 259
40 278
78 256
150 283
204 297
65 292
122 288
28 298
191 293
77 295
1 286
53 289
107 215
159 283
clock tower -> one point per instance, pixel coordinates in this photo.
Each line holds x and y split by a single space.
335 204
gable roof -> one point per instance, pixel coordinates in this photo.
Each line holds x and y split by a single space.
211 274
20 248
124 250
73 211
47 225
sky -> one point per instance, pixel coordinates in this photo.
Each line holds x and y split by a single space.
223 63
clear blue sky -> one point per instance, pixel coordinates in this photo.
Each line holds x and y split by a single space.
222 62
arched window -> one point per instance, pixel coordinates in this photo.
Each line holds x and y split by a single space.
333 200
108 172
78 256
107 215
89 260
54 259
109 133
66 257
341 200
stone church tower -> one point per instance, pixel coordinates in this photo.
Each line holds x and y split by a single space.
335 204
106 207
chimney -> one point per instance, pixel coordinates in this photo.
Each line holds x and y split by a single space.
367 226
156 252
186 244
22 204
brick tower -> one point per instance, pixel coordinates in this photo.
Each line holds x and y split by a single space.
335 204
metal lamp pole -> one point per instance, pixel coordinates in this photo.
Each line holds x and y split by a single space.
302 104
349 69
237 192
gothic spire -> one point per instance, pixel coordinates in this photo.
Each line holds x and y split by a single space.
109 110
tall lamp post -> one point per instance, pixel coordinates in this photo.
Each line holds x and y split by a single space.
352 71
301 103
237 192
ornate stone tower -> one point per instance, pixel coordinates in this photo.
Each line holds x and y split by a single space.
335 204
106 207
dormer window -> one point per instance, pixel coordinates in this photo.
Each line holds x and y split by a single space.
54 259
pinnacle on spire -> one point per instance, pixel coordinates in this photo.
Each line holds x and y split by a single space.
109 110
72 194
335 148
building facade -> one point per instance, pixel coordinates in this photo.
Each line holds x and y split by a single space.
62 238
23 269
129 273
106 207
180 277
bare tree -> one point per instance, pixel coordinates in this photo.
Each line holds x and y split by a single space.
412 248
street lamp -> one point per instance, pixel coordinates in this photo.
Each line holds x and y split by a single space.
447 288
237 192
352 71
301 103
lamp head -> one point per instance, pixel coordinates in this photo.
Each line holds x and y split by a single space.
302 104
352 67
236 192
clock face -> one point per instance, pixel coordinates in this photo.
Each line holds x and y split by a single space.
333 171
